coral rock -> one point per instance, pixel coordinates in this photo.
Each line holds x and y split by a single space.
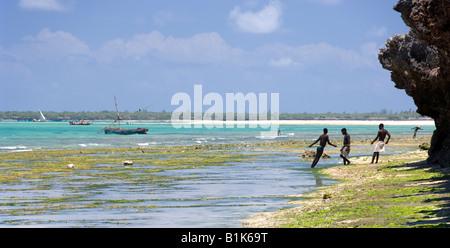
420 64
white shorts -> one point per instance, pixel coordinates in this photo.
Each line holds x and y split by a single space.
379 147
345 152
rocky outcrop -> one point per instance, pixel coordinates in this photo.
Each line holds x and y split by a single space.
420 64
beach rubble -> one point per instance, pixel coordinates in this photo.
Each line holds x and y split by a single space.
312 154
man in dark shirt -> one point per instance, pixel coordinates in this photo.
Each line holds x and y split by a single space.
415 131
345 150
379 147
324 139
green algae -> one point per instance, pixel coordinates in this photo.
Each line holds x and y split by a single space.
53 187
97 170
393 194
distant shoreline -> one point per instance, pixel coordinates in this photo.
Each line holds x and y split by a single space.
167 116
420 122
325 122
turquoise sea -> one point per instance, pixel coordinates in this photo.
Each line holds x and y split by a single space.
25 136
212 196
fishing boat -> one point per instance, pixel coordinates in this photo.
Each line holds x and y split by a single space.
122 131
41 117
82 122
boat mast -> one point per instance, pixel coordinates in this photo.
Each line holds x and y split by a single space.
117 110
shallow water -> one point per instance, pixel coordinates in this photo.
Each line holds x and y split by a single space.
210 196
213 196
26 136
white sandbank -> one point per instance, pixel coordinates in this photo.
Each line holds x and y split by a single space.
318 122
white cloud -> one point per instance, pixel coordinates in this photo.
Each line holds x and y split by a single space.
50 45
283 62
264 21
211 48
200 48
47 5
318 54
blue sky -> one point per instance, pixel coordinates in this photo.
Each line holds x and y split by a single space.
74 55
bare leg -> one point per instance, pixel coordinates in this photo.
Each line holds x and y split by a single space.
373 157
317 158
346 161
346 158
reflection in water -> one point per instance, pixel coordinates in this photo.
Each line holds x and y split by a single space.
318 178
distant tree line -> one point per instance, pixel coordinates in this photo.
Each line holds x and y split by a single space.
145 115
84 115
381 115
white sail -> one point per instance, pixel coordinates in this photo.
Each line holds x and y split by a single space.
42 118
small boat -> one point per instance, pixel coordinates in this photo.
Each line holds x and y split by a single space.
41 118
122 131
82 122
